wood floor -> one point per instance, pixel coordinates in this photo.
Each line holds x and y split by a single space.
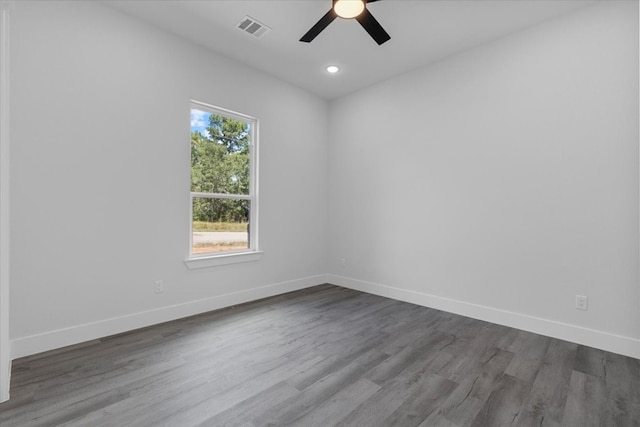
325 356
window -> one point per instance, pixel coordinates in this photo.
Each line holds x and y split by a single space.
223 185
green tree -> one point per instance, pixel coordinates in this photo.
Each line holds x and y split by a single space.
220 164
233 134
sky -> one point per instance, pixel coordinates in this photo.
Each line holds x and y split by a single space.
199 121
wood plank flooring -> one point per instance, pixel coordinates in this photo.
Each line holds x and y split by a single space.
325 356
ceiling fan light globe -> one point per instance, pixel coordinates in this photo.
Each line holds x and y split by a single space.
348 8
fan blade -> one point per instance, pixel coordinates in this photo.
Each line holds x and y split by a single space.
320 25
373 27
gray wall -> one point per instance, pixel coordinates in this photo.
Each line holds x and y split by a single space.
501 182
498 183
100 175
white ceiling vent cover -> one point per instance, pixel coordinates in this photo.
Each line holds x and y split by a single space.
253 27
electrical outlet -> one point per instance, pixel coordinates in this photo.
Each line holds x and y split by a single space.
581 302
343 262
158 286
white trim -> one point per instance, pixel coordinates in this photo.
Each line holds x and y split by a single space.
639 162
615 343
73 335
77 334
224 259
5 344
216 110
253 254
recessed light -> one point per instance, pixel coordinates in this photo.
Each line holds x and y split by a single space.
333 69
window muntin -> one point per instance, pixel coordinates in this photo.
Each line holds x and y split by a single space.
223 182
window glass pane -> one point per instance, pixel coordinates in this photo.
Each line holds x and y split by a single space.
219 154
220 225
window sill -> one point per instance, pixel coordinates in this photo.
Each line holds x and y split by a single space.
216 260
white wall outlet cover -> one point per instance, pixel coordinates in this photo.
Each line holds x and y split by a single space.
581 302
158 286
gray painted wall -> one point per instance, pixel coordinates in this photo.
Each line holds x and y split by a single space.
101 166
498 183
504 179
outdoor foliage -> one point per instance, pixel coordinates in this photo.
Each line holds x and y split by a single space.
220 164
220 226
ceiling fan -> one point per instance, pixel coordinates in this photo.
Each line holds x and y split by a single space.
349 9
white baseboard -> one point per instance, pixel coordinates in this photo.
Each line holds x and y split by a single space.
605 341
5 375
77 334
74 335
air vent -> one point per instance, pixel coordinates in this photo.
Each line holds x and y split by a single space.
253 27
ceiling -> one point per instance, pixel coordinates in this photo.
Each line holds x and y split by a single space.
422 32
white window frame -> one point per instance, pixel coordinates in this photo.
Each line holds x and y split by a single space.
229 257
